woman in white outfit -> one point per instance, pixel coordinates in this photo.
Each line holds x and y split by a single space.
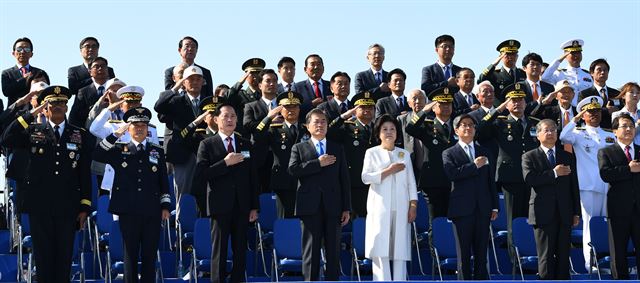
391 204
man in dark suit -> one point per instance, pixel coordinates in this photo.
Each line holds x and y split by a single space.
89 95
416 99
225 162
436 135
239 97
314 90
533 87
554 206
58 181
507 74
374 79
464 101
14 79
396 103
474 199
619 165
287 71
443 72
280 137
188 49
323 200
340 103
141 205
181 110
562 112
485 94
79 76
356 136
599 70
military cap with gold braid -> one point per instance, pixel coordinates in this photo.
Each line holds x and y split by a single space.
573 45
508 46
130 93
363 98
210 103
289 98
443 94
138 114
253 65
54 93
514 91
590 103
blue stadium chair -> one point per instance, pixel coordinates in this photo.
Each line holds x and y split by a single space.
287 247
443 245
599 245
77 263
268 215
101 225
421 228
524 246
201 251
185 216
357 244
576 234
24 245
498 231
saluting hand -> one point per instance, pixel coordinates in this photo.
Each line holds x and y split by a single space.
39 109
503 106
275 111
577 118
201 117
429 106
120 131
113 106
27 98
549 98
349 113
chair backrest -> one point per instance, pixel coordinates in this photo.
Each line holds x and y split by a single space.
500 224
599 231
26 226
188 212
202 238
268 211
116 244
358 235
103 217
442 237
523 237
422 218
287 238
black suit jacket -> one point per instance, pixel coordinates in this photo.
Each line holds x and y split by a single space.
207 89
366 81
545 86
254 112
86 98
554 113
14 85
332 109
329 184
624 186
230 185
550 196
605 122
176 108
79 77
460 104
471 187
387 105
355 141
500 78
433 77
58 176
490 144
305 88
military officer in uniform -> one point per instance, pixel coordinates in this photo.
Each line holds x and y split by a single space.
586 142
436 135
509 73
140 194
580 79
57 182
355 135
515 135
239 97
280 130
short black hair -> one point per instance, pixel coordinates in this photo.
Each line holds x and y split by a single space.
23 39
444 38
98 59
395 71
315 111
383 119
531 57
340 74
596 62
459 118
616 121
459 73
266 72
217 111
311 56
286 59
185 38
87 39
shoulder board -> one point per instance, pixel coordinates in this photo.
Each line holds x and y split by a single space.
152 125
116 121
534 118
154 144
76 128
349 122
121 144
428 121
585 71
503 117
580 128
238 134
276 125
200 130
562 70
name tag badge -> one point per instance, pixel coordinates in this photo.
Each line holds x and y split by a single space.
72 146
153 160
245 154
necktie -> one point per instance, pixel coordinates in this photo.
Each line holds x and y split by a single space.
194 106
272 104
534 89
294 131
100 91
288 88
447 75
320 149
230 145
565 121
23 70
56 131
378 78
627 153
512 74
316 90
603 93
343 107
469 100
445 126
552 158
140 148
469 152
399 103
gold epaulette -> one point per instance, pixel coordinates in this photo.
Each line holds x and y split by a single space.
152 125
201 130
115 121
485 72
534 118
503 117
428 121
275 125
260 126
154 144
349 122
238 134
184 132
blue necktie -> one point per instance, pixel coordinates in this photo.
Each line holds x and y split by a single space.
378 78
320 149
551 157
100 91
447 75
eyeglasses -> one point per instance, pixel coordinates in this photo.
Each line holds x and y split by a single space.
92 46
626 127
23 49
446 46
463 125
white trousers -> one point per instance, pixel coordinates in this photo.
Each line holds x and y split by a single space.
592 204
381 269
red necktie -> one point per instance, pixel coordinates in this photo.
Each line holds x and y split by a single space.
23 70
316 89
627 153
230 145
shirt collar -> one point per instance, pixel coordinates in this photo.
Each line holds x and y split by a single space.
289 124
267 101
97 85
28 66
631 150
463 144
224 137
315 141
546 150
395 97
191 98
442 64
61 125
144 143
487 109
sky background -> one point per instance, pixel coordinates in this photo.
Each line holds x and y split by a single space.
140 38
